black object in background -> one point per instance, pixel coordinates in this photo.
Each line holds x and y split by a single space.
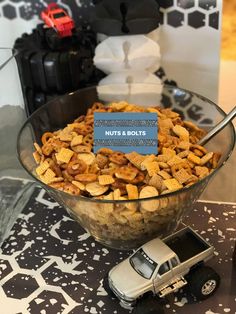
122 17
50 66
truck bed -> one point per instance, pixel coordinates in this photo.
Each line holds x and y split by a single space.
187 245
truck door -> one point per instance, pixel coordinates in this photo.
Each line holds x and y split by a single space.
163 276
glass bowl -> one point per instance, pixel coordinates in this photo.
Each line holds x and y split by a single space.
126 224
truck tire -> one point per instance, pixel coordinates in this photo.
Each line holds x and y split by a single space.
148 305
203 282
107 287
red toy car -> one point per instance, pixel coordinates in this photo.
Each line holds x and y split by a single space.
57 18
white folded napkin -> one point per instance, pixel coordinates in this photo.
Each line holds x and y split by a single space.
122 53
140 94
129 77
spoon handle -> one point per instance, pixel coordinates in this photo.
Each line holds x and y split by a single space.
230 116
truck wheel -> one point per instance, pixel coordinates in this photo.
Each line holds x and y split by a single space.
148 305
203 282
107 287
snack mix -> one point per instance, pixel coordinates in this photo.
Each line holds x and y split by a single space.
66 162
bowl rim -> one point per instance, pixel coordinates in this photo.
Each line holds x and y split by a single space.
159 197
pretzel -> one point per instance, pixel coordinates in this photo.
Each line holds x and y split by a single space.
46 136
75 167
120 185
88 140
84 129
71 188
81 149
101 160
138 179
89 120
118 158
105 151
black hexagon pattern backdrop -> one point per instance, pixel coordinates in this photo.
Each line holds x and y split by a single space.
176 13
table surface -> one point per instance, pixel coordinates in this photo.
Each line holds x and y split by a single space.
27 246
49 264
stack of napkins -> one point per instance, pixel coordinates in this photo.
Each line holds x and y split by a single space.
130 61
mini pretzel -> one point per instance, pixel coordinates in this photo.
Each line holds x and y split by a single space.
138 179
71 189
89 119
80 119
101 160
47 149
75 167
118 158
120 185
88 140
46 136
84 129
97 106
67 176
81 149
54 166
57 185
105 151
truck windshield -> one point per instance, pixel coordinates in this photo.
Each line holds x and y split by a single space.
58 15
143 264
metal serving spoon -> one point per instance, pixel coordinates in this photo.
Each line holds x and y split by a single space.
14 54
230 116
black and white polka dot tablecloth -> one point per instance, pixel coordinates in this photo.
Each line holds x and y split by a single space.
49 264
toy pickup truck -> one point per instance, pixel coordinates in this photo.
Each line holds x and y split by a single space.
57 18
164 266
